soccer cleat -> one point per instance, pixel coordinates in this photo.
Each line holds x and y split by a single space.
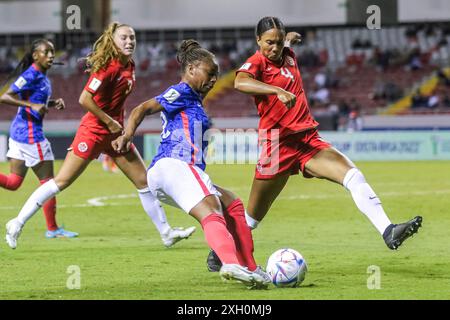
266 280
213 262
60 233
395 234
176 234
13 230
252 280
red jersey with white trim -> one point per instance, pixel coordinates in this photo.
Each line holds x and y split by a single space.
273 113
110 87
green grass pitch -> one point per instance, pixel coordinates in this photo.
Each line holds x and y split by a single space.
120 256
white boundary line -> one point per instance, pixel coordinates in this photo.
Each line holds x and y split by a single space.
103 201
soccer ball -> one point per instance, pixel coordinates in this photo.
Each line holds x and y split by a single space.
287 268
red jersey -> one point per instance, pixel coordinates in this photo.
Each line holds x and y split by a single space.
110 87
273 113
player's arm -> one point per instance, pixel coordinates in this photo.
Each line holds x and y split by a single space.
87 102
11 98
245 83
138 114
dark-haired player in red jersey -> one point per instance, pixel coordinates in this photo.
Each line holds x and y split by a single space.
289 138
111 81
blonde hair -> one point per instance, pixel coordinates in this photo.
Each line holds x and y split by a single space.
104 50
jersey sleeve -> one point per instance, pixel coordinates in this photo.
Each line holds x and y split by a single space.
252 66
99 80
24 82
171 100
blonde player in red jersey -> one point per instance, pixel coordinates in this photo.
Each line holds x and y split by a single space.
111 81
289 138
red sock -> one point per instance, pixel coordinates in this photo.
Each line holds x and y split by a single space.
49 209
242 235
219 239
11 182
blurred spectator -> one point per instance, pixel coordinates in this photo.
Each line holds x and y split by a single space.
418 100
433 100
355 121
443 78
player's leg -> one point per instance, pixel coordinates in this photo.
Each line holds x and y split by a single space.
234 214
209 214
262 194
44 172
332 165
191 189
71 169
18 171
133 166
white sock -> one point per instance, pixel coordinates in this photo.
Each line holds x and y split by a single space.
366 200
154 210
252 223
38 197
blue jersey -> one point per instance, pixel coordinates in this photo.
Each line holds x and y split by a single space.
184 123
34 86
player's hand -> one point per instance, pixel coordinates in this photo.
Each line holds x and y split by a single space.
40 108
58 104
293 38
114 126
121 144
287 98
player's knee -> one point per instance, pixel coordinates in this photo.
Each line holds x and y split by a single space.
14 182
61 183
226 197
352 178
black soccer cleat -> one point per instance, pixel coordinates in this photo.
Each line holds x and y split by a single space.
213 262
395 234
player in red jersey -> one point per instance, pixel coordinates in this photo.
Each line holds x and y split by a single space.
111 81
289 138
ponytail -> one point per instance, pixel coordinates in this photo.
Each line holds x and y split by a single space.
190 52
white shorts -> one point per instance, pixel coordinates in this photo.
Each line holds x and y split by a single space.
32 154
179 184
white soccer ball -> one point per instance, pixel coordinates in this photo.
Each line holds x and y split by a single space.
287 268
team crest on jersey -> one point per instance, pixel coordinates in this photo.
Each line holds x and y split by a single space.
290 61
82 146
259 167
171 95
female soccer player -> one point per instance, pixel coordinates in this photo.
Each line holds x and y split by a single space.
28 147
176 175
111 81
289 138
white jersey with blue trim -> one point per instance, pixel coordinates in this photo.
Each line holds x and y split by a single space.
34 86
184 123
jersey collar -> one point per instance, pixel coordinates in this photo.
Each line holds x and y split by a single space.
195 93
278 65
36 67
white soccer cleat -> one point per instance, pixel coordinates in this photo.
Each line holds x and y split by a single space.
253 280
176 234
13 230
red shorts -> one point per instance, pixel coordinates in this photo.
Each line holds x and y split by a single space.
290 154
89 145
